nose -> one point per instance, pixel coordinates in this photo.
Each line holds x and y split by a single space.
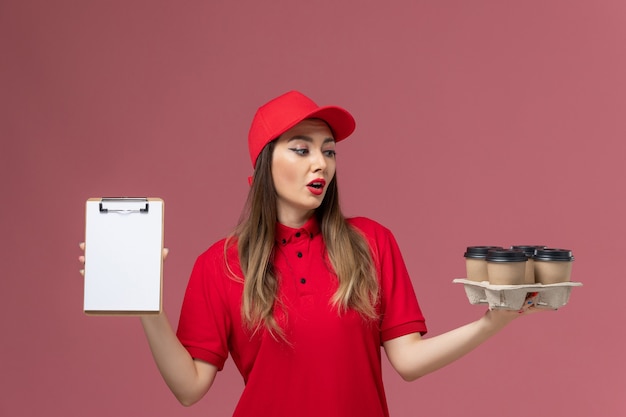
319 162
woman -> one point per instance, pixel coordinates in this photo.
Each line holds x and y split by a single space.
301 297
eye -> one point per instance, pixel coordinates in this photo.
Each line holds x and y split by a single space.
331 153
300 151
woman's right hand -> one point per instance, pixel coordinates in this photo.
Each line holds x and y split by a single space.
188 379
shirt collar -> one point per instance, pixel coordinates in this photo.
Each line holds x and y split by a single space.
285 234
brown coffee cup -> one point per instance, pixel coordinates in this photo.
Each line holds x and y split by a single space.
475 262
553 265
529 250
506 266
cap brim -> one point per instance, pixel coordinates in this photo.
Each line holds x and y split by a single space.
340 120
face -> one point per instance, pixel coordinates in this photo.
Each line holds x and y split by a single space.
303 164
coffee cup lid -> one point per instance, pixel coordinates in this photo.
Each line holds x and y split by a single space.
479 252
506 255
529 250
553 254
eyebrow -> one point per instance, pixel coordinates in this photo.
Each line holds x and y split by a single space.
310 139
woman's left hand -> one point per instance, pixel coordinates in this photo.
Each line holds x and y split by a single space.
503 317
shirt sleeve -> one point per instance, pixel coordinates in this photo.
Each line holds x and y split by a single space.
399 310
205 322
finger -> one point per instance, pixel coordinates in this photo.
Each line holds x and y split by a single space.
81 245
82 272
81 259
529 302
530 310
165 252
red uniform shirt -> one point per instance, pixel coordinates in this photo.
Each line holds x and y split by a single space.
332 363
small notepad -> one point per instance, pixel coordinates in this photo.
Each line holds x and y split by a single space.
123 256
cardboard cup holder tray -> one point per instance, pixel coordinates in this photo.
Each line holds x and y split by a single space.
512 297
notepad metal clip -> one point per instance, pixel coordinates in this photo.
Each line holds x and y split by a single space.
124 205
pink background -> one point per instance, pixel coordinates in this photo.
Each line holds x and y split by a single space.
479 122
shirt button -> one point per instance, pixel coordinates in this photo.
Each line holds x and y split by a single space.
311 235
299 254
302 280
284 241
297 234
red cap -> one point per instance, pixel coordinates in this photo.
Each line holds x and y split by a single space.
284 112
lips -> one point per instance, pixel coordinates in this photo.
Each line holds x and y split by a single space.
317 186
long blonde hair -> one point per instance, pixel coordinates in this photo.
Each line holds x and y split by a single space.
347 250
